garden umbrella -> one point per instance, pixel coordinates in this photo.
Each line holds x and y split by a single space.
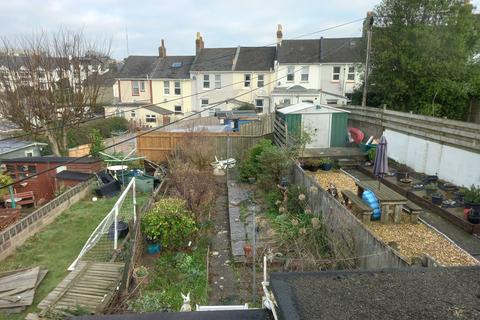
380 166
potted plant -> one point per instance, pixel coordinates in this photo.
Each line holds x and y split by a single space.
437 199
140 273
326 164
430 189
313 164
371 154
471 198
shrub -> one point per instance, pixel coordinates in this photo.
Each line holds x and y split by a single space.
472 194
96 142
273 165
250 166
170 223
297 200
151 301
5 180
196 187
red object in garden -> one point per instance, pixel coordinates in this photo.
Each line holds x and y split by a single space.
466 213
247 250
356 134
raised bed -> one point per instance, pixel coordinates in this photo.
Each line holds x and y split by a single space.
8 216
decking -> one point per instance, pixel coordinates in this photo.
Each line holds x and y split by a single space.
90 286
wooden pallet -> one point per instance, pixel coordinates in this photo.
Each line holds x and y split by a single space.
90 286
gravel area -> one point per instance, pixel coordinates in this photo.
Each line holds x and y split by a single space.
411 239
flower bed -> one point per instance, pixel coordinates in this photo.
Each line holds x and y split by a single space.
411 239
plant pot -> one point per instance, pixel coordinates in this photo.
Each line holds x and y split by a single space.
153 248
402 175
326 166
472 205
474 217
437 199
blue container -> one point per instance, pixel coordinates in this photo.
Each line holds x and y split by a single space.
153 248
371 200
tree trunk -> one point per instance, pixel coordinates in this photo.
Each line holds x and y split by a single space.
54 143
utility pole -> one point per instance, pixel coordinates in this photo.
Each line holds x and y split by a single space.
369 25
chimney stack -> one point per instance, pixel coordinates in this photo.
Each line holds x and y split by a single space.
279 35
162 51
199 44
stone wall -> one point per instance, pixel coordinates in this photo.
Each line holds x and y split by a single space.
15 235
349 237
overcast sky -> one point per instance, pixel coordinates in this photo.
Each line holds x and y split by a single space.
222 23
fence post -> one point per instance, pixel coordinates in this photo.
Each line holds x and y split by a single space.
115 228
134 202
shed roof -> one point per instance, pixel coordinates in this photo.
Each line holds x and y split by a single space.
158 110
400 294
52 160
7 146
251 314
303 107
74 175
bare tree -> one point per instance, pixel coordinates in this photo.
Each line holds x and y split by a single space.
49 82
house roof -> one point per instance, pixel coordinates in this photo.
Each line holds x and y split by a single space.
172 67
404 293
323 50
51 160
255 59
214 59
158 110
73 175
251 314
303 106
7 146
137 67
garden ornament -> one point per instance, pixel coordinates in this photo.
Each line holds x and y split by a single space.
186 303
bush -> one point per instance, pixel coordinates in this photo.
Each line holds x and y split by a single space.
152 301
297 200
81 135
96 143
472 194
196 187
250 166
170 223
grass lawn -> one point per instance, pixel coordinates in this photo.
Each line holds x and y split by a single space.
58 244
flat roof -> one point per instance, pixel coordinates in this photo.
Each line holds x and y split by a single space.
406 293
251 314
302 106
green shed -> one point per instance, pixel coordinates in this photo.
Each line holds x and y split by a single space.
326 124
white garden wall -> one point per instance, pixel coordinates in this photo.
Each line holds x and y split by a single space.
455 165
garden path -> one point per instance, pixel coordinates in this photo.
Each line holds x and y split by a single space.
224 289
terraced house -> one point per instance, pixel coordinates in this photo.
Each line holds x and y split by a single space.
153 90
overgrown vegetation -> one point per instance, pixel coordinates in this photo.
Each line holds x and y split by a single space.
472 194
96 143
197 149
424 57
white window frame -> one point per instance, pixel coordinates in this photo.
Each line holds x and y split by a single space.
142 86
178 88
247 80
166 88
135 88
132 114
260 81
218 81
151 117
351 73
336 74
206 81
177 111
290 73
304 74
204 102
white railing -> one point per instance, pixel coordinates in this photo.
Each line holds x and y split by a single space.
102 243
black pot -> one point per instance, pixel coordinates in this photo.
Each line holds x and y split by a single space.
472 205
326 166
474 217
402 175
437 199
122 229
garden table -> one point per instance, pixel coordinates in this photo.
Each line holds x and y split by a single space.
390 201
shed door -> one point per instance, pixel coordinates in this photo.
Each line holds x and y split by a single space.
318 125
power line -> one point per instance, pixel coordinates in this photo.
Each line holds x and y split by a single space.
183 97
148 131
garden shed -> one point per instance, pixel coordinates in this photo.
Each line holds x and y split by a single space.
326 124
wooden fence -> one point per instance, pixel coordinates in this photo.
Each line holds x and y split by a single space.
280 132
459 134
159 146
258 128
